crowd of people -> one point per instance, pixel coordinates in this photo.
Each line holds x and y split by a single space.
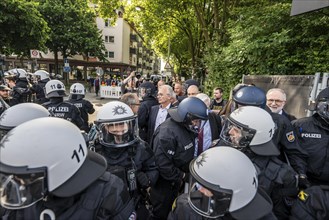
160 152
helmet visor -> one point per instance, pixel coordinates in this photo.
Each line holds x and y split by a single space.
118 134
209 203
19 191
323 109
236 134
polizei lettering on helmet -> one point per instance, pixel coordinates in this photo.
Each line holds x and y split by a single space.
310 135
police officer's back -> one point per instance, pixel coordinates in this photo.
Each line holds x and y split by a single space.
77 94
38 87
147 93
58 177
55 92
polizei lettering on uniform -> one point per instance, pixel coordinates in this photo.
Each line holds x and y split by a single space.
79 105
188 146
59 109
310 135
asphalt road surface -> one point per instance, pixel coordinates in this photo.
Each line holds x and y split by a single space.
97 102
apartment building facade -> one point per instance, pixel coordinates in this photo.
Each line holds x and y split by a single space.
125 52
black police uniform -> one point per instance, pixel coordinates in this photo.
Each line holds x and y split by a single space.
85 108
143 115
312 204
278 180
284 138
174 146
65 110
21 92
39 90
106 198
313 135
182 211
135 165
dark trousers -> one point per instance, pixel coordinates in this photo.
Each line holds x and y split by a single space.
162 196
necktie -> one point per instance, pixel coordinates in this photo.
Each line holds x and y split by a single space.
200 141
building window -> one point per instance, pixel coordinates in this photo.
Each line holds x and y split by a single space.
107 23
111 54
109 39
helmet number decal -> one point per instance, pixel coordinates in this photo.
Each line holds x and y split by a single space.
77 153
271 133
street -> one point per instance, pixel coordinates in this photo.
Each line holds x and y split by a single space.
96 101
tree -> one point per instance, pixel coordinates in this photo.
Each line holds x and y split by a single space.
73 29
264 39
22 27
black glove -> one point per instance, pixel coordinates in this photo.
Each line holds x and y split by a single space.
143 180
303 182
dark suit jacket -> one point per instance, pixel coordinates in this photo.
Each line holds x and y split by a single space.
290 117
151 121
215 122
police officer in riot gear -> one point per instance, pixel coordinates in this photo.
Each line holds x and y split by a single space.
126 154
250 129
77 94
284 135
55 92
21 90
174 143
42 77
312 203
56 176
19 114
224 185
313 136
147 93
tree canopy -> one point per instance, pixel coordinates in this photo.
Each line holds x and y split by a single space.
21 27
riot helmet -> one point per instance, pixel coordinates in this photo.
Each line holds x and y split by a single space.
16 73
252 127
249 95
224 180
117 125
44 163
146 89
54 88
322 104
77 91
189 111
41 75
19 114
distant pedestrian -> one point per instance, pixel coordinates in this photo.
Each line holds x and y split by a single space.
218 103
96 85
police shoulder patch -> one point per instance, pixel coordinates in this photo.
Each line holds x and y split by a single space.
303 196
290 136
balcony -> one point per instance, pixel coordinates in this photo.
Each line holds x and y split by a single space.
133 37
132 50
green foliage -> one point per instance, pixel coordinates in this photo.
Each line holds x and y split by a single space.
264 39
22 27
